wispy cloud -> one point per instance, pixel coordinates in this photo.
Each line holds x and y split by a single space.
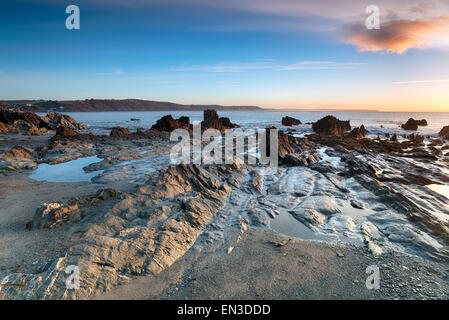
236 67
421 81
230 67
322 65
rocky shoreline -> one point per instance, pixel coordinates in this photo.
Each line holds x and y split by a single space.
142 216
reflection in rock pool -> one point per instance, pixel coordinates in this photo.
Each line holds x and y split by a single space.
71 171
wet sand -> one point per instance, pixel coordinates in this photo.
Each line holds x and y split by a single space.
19 198
258 269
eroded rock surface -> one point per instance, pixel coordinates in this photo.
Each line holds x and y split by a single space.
143 233
53 120
18 157
50 215
334 188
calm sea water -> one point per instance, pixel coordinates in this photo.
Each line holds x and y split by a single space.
102 122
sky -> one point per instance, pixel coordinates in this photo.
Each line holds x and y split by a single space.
289 54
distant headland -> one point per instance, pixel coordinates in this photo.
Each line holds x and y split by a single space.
98 105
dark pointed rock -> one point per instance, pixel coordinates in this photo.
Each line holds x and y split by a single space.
289 121
331 126
413 124
168 124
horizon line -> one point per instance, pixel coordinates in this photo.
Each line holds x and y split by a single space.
316 108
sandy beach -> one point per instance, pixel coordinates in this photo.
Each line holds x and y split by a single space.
140 227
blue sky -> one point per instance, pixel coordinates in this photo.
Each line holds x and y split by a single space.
284 53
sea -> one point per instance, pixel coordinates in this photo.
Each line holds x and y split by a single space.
378 123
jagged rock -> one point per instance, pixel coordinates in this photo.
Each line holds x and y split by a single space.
119 132
436 142
444 132
65 132
358 133
5 128
413 124
8 116
48 215
363 130
416 138
18 152
422 122
330 125
32 124
142 234
22 125
304 159
34 131
106 194
287 144
168 124
289 121
19 157
394 138
212 121
312 160
257 180
101 195
293 160
54 120
309 217
357 204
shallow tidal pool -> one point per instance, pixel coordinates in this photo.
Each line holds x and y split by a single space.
71 171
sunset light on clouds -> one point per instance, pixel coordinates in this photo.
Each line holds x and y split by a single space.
275 54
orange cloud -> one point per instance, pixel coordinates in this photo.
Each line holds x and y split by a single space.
398 36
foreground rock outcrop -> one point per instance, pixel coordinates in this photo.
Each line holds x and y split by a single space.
142 233
331 126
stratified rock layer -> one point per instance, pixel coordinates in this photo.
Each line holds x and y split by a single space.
143 233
